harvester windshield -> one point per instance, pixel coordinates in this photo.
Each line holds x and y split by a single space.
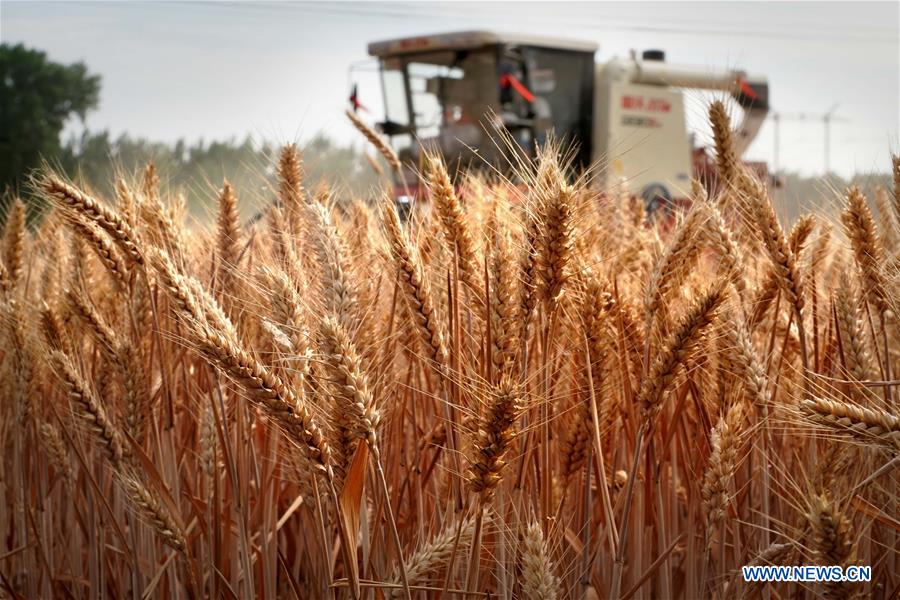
438 99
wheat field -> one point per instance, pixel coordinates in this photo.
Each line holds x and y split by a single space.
528 391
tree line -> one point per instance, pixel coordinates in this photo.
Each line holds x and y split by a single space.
39 97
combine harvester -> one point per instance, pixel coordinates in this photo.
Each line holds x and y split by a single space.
627 114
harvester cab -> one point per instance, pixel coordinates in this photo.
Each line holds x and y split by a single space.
442 91
448 91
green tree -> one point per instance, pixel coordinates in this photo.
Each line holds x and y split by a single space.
38 97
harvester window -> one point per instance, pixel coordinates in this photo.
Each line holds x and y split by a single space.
395 95
428 85
395 104
450 93
563 84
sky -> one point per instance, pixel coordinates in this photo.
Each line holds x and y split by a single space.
280 71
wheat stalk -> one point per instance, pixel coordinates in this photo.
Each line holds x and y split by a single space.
895 171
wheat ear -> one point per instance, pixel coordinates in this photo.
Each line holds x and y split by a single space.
87 407
53 330
776 553
867 247
496 433
353 394
5 281
73 200
22 361
868 425
228 234
290 186
832 542
742 360
852 332
124 356
218 342
453 220
726 159
783 259
151 510
699 316
528 265
768 290
126 202
889 227
554 244
675 264
721 240
773 554
720 469
150 181
538 580
379 144
596 306
800 232
14 234
100 243
338 289
343 369
415 288
56 452
435 552
504 308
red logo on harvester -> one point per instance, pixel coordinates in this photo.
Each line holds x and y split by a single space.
654 105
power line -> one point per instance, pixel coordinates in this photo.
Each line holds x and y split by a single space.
706 28
798 32
826 118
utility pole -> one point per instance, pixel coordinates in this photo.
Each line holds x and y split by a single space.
776 120
827 119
